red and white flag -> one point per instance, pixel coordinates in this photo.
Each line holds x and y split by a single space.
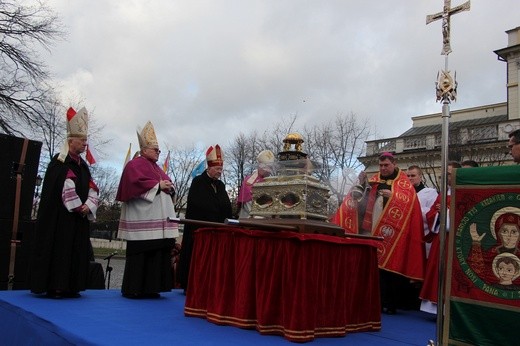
91 155
166 163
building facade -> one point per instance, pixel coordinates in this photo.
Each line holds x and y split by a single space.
478 133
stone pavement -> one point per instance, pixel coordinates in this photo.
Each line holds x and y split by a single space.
118 267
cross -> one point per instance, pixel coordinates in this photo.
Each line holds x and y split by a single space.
445 15
396 214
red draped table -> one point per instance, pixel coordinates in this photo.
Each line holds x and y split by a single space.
297 285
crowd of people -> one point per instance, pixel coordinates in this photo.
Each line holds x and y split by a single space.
377 213
395 206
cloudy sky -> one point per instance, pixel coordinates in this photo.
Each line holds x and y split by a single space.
205 71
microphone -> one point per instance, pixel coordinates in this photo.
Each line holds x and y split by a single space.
110 256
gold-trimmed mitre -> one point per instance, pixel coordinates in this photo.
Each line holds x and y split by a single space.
147 137
214 156
77 127
77 123
265 157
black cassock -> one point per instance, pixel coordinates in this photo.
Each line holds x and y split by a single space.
60 257
207 201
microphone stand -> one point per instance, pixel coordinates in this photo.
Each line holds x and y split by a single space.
108 269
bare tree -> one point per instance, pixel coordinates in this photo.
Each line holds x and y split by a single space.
348 140
239 155
333 147
23 77
242 158
317 143
50 129
242 152
274 138
107 180
346 144
181 166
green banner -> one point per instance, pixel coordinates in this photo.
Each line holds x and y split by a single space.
483 269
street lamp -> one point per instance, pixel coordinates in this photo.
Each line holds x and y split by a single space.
36 201
38 183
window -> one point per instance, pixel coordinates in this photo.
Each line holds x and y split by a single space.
415 143
483 133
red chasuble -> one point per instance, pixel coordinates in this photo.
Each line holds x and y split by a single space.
347 216
400 224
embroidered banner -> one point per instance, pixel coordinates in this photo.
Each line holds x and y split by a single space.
483 269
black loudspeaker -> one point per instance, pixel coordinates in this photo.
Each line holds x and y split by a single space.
10 165
25 235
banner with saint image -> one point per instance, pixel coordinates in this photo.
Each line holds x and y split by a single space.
483 265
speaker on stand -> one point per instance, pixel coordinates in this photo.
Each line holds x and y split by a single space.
19 160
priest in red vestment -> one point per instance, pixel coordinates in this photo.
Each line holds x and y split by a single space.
390 209
429 290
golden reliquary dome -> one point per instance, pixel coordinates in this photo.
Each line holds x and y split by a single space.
293 138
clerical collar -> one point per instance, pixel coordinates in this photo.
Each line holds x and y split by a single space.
419 187
75 157
210 177
389 179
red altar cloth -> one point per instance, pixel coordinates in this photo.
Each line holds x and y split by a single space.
297 285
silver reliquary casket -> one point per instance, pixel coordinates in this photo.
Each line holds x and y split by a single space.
293 191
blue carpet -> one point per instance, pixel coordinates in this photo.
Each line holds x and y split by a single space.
103 317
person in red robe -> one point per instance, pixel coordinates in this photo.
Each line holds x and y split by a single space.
429 291
390 210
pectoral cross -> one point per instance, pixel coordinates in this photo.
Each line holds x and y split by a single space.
445 15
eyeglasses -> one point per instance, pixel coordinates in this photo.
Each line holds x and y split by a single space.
155 149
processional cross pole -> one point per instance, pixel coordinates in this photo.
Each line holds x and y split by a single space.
446 91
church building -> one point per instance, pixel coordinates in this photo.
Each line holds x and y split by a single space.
478 133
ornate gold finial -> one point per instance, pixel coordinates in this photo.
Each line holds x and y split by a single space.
288 153
446 87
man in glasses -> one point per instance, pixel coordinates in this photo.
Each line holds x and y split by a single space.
146 191
513 145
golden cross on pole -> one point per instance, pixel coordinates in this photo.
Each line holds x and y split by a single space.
445 15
